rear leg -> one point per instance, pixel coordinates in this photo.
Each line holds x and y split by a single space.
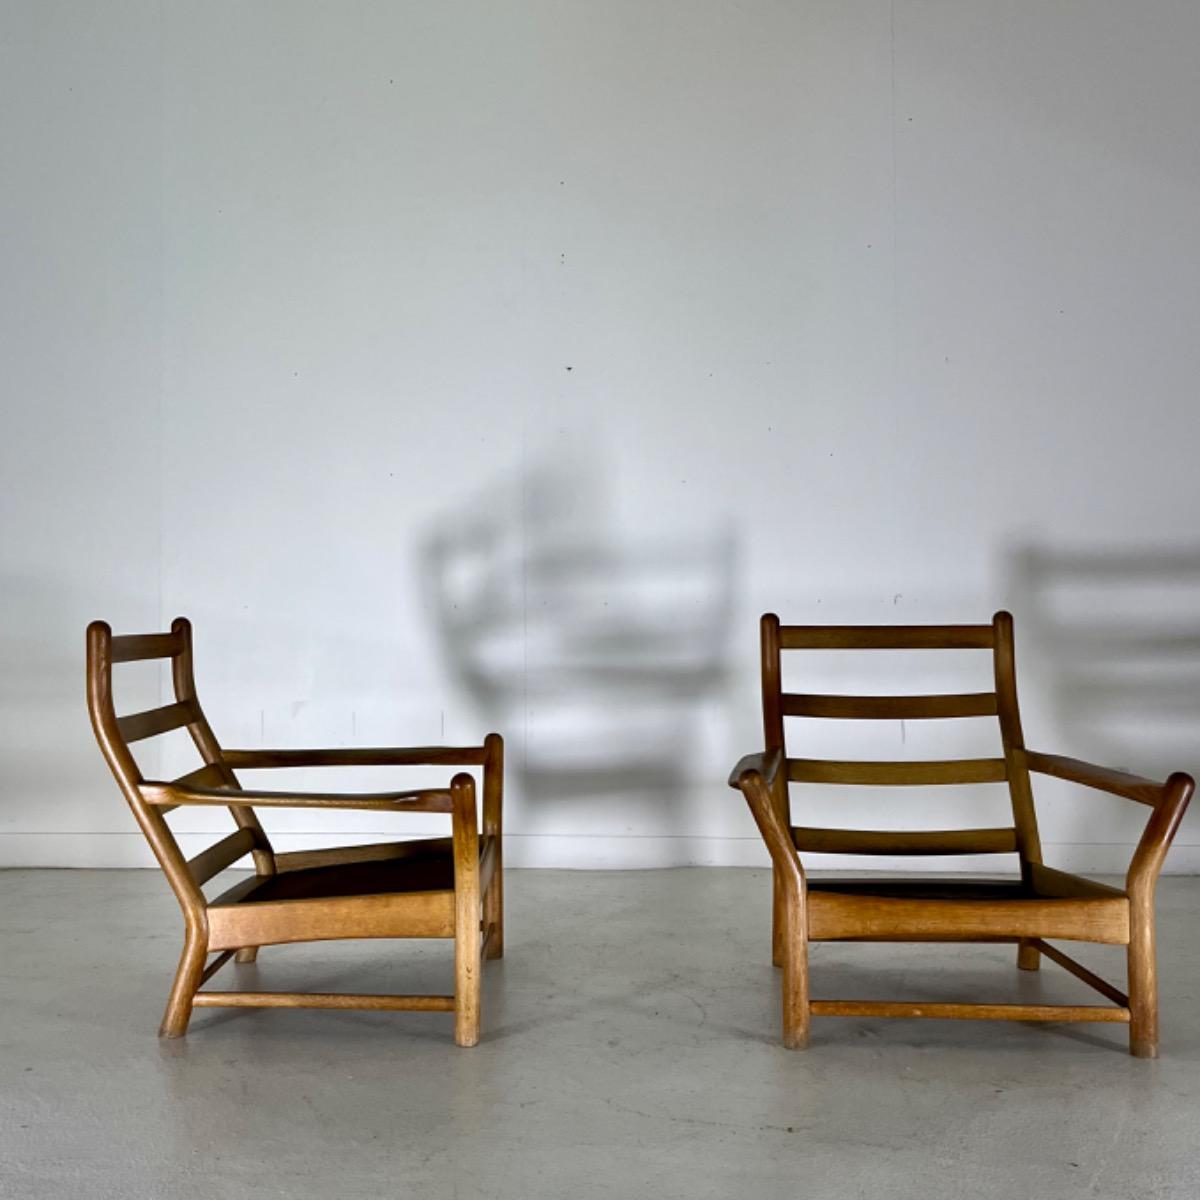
1029 957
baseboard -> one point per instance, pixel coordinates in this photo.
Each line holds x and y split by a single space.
582 852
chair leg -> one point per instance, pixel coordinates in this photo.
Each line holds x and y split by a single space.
247 954
467 972
493 912
187 981
1143 992
468 912
796 1014
778 920
1029 957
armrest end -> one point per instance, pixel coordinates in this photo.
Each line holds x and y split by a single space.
766 764
1158 835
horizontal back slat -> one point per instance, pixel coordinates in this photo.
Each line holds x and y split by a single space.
886 637
224 854
133 647
886 841
896 774
154 721
353 756
873 708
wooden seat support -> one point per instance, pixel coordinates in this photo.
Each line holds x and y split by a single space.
429 888
1041 904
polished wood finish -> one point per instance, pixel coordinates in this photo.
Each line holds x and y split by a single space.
960 913
887 841
135 647
791 911
1077 969
1116 783
170 795
492 861
223 854
208 776
468 915
1020 790
886 637
897 774
433 887
248 922
216 964
426 1003
151 723
889 708
773 740
1027 910
970 1012
358 756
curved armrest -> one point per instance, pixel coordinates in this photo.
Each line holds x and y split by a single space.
1158 835
766 764
1169 800
166 795
753 777
1104 779
357 756
490 756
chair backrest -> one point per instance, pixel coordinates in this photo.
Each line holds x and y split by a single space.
1001 702
116 733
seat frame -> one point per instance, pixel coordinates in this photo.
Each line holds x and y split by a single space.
1046 904
234 925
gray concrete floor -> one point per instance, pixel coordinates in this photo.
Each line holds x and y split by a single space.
630 1050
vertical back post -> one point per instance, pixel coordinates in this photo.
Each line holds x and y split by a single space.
205 741
493 797
153 824
1020 790
773 738
129 776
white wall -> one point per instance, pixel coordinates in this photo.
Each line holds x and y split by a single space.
869 311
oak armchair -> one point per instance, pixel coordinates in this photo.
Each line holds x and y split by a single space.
430 888
1041 904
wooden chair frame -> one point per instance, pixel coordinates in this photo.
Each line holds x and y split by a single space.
471 911
1045 903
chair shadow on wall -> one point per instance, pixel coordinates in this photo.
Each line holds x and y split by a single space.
595 652
1114 635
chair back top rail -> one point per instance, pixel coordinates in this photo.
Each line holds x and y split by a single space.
887 637
134 647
